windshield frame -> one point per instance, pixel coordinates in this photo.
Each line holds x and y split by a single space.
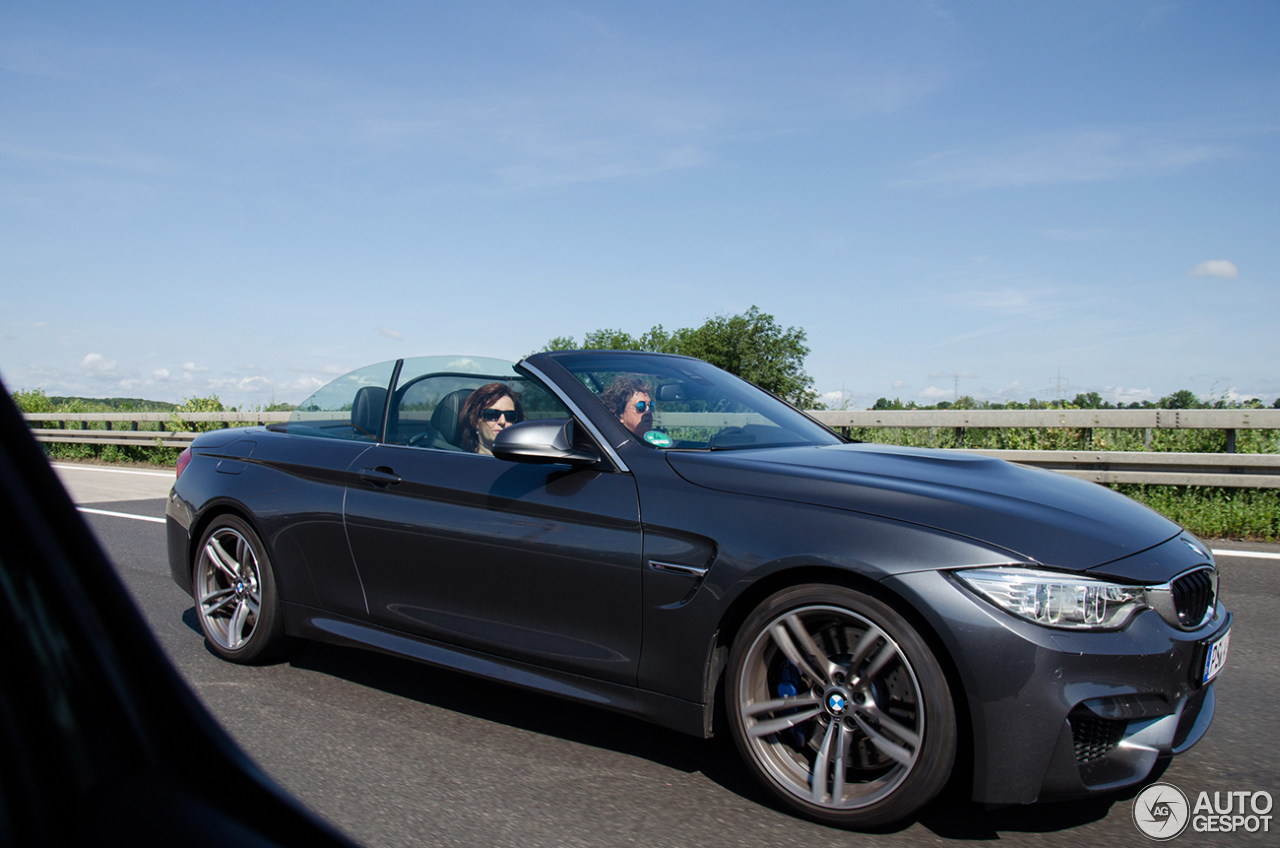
740 399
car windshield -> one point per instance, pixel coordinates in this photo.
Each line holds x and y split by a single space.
691 405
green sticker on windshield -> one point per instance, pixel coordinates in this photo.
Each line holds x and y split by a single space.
658 440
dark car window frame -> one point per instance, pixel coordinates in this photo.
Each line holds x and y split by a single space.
572 362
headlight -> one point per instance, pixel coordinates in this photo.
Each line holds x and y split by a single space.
1055 599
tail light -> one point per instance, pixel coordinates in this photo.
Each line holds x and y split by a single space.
183 459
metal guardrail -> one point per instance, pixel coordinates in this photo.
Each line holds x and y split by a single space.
121 428
1155 468
1101 419
1232 470
1085 420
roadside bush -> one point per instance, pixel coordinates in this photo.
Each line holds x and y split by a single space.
1214 513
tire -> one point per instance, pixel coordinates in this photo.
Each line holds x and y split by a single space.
235 592
830 682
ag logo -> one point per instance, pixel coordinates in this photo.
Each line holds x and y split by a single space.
1161 812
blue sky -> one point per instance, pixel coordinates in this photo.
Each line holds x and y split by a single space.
250 198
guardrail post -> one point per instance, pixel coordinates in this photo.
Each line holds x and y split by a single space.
1146 439
959 437
161 423
1231 440
1087 435
108 423
135 425
84 425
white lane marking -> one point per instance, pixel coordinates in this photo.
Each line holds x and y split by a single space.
120 514
1254 554
115 470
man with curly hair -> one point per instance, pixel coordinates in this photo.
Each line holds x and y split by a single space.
628 397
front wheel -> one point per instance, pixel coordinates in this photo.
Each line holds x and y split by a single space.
235 593
839 707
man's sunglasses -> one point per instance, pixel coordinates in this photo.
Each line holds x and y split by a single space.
512 416
643 406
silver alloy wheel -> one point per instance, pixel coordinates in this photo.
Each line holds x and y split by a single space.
831 707
228 588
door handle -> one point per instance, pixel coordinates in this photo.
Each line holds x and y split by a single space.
380 476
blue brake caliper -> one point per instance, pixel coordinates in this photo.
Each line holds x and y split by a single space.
789 687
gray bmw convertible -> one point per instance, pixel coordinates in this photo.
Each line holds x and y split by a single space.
654 536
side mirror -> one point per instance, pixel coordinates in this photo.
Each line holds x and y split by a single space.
546 441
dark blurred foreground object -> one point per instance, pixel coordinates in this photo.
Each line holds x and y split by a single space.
100 739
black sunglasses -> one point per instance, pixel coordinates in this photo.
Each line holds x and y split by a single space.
643 406
511 415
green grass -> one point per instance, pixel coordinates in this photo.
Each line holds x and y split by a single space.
1214 513
150 455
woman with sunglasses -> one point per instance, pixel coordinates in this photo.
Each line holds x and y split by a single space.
628 398
488 411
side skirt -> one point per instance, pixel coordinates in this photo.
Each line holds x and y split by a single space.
674 713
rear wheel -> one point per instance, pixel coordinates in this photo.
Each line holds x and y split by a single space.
840 708
235 593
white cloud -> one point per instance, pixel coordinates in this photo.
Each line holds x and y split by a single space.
832 399
933 393
1121 396
1233 396
160 375
464 364
305 385
98 364
900 384
961 374
1215 268
1013 388
193 368
389 333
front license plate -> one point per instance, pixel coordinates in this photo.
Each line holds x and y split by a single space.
1216 657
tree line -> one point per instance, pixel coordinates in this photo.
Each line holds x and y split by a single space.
1181 399
753 345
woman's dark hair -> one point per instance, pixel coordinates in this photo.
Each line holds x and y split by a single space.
476 403
620 391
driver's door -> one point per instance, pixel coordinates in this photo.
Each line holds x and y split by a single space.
532 562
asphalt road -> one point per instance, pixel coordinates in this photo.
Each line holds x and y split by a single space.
399 754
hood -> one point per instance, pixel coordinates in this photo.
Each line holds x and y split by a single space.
1041 515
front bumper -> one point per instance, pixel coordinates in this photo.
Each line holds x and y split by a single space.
1058 713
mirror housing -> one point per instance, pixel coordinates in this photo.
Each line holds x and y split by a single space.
544 441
